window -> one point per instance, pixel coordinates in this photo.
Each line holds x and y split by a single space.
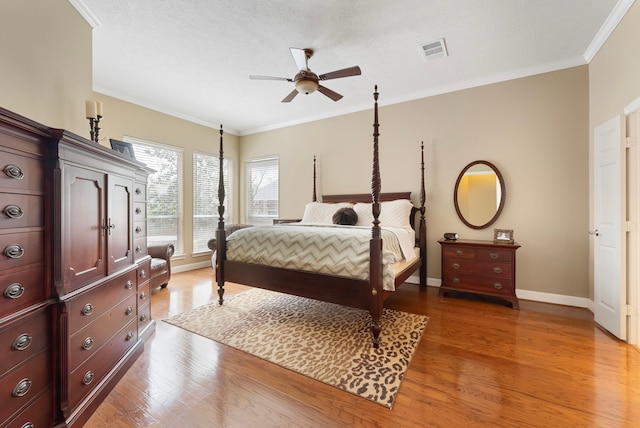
206 177
164 192
262 190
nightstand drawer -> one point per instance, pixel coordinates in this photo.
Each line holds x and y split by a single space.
472 267
481 284
459 253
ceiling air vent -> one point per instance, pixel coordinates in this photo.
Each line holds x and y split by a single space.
433 50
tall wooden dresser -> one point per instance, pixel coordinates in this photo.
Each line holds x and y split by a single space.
71 310
481 267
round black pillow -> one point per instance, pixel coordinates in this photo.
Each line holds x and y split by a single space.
345 216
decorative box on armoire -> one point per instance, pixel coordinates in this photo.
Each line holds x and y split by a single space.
74 313
480 267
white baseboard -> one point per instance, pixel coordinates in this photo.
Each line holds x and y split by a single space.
536 296
191 266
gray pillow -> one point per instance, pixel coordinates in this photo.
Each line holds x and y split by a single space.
345 216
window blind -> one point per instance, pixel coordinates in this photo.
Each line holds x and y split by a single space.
262 190
206 178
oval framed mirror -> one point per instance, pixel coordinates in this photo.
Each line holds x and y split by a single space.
479 194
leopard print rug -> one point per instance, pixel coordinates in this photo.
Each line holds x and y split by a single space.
324 341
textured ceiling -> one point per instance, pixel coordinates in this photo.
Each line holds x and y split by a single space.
193 58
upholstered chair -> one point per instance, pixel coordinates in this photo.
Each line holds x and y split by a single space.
160 264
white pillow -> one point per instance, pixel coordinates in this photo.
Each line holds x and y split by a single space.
319 212
392 213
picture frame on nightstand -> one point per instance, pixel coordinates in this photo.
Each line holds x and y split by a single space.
503 236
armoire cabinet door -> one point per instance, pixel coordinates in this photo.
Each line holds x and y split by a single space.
84 227
119 222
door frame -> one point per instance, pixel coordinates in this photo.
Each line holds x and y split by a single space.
632 115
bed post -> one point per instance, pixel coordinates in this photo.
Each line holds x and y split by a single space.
423 227
315 198
221 238
375 246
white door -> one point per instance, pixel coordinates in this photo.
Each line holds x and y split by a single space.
609 234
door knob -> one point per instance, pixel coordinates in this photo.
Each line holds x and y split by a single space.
594 232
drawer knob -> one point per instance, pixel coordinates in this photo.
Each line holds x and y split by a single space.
28 425
138 249
138 210
14 291
456 265
88 343
13 171
129 311
87 309
143 274
88 378
459 252
13 211
493 255
497 286
497 269
129 336
138 229
143 317
22 388
129 285
14 251
143 295
456 280
138 191
22 342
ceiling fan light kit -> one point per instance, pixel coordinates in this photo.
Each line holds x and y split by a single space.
305 86
306 81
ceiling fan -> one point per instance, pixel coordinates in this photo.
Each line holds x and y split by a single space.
306 81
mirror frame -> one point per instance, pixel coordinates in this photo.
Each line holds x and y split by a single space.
502 199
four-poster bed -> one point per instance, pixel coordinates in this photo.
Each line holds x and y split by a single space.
384 270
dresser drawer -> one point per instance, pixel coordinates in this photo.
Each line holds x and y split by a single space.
19 290
459 253
91 372
24 338
491 255
37 414
84 343
139 211
21 174
139 192
144 316
140 247
21 211
472 267
23 385
21 249
88 307
484 285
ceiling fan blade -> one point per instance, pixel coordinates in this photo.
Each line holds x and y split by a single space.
291 96
300 57
328 92
254 77
345 72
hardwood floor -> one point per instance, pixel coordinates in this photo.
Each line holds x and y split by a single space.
479 364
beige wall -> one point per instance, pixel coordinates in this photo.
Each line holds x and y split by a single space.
45 51
614 82
535 130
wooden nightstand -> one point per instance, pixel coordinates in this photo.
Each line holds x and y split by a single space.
481 267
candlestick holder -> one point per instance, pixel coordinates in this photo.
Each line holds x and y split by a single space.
94 127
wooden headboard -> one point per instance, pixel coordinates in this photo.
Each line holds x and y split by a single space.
365 197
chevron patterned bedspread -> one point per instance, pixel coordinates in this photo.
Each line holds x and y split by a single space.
336 250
